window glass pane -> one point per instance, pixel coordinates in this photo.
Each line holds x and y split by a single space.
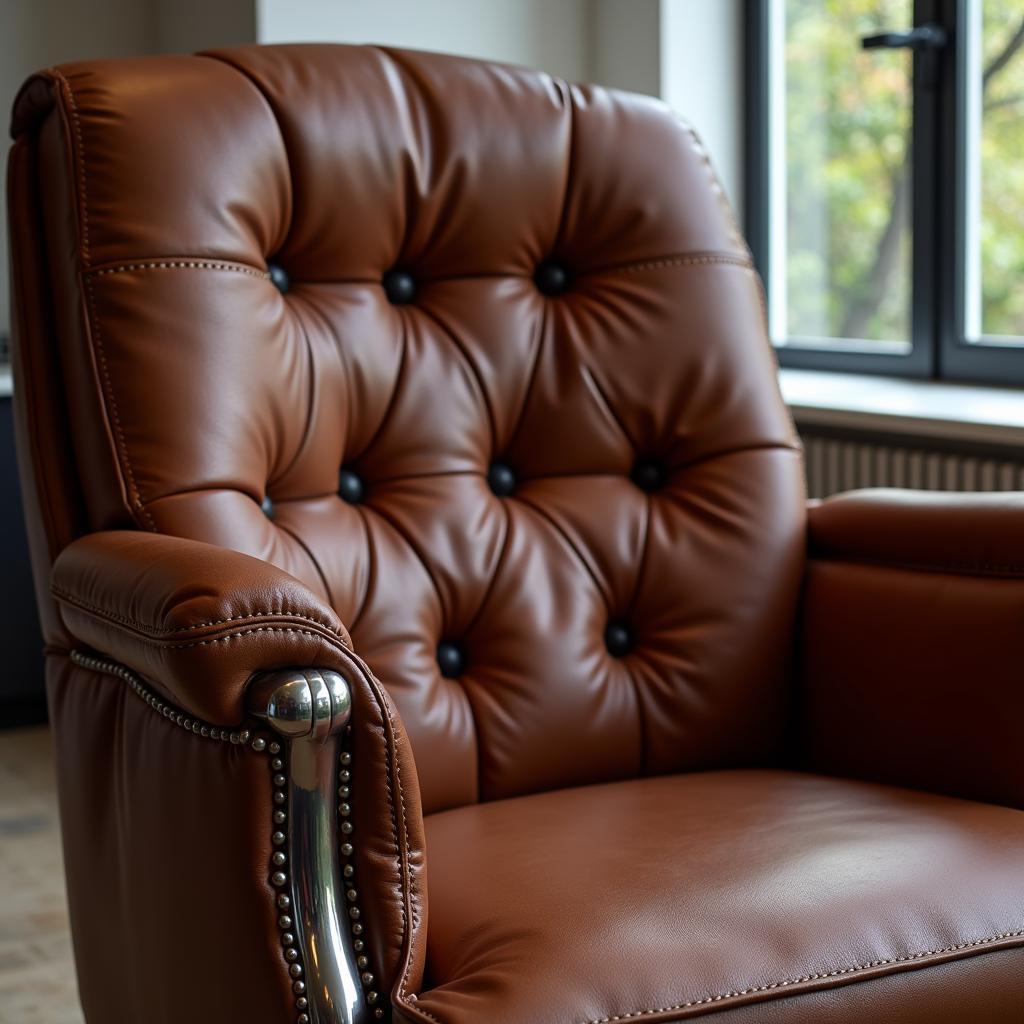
841 178
995 180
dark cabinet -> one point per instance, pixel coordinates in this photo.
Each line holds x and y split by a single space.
22 696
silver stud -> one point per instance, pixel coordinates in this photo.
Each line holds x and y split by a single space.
284 902
348 871
346 827
299 987
278 797
195 728
287 939
187 724
284 921
205 732
279 780
359 945
362 961
346 758
295 970
279 858
345 775
277 764
291 955
243 736
345 810
357 928
259 744
371 997
278 878
302 1002
275 747
346 849
343 791
278 838
303 1018
367 978
378 1014
233 737
352 895
354 913
279 817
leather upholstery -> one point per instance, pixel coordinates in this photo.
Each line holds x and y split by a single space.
468 367
198 619
659 899
933 700
338 165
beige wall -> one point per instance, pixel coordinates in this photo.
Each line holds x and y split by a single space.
701 55
37 33
547 34
688 51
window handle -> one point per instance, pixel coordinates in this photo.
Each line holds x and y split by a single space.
924 37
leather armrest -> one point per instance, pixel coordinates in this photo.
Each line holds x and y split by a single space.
912 638
972 534
196 619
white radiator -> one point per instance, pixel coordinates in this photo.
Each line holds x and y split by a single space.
844 463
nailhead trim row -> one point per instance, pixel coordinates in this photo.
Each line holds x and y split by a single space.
348 871
279 837
279 880
196 726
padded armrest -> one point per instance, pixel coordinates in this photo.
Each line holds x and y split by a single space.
196 619
973 534
912 641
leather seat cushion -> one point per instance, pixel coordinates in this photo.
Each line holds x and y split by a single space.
659 899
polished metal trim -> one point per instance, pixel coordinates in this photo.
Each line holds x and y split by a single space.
319 921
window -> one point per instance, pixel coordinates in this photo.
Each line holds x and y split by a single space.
886 183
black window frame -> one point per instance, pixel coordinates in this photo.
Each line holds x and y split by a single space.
939 347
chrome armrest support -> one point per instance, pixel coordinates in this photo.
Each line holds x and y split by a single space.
311 863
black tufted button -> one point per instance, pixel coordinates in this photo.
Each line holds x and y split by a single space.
278 278
267 506
501 479
649 474
449 660
618 639
551 278
350 487
399 286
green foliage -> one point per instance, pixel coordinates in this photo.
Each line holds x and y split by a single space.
848 123
1002 175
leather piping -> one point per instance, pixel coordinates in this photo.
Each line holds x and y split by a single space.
166 634
927 958
171 263
1006 572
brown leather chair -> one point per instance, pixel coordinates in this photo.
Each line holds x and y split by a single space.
549 653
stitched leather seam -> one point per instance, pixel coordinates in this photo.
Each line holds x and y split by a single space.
95 333
172 646
239 633
76 123
980 569
114 416
803 979
237 268
685 261
169 630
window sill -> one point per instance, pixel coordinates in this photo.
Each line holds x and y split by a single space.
919 408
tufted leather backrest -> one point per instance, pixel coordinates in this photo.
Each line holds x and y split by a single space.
477 355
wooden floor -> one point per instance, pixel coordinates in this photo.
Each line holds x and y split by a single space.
37 975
